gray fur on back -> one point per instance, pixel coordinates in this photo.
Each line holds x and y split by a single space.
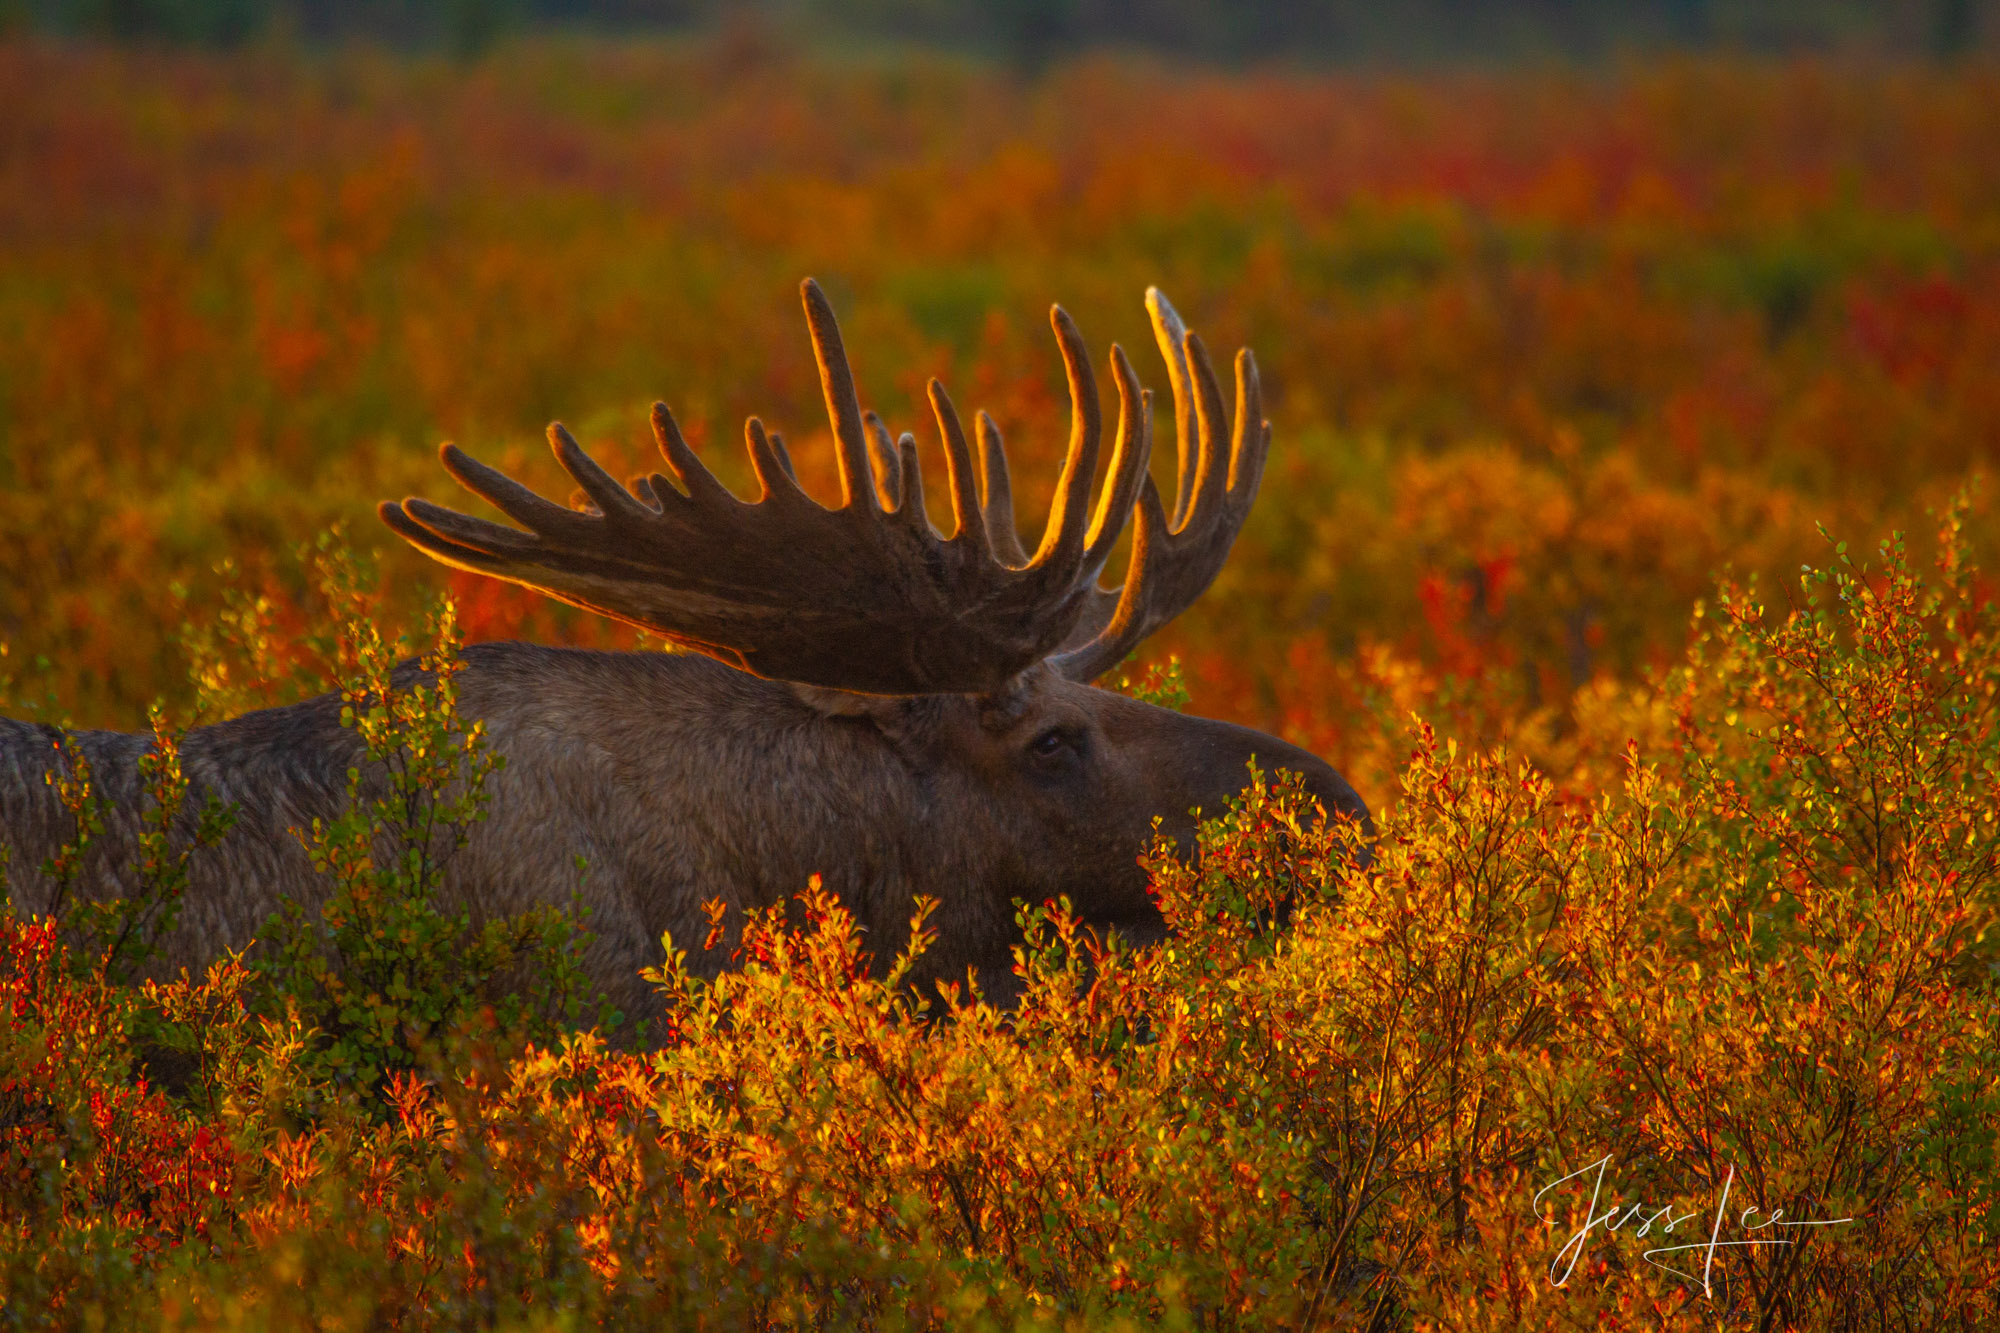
674 778
678 780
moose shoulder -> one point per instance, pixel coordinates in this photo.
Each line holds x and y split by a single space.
898 711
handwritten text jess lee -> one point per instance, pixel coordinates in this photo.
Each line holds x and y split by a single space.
1615 1217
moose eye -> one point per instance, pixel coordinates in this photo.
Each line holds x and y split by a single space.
1051 743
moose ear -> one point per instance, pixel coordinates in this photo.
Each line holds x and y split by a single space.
890 712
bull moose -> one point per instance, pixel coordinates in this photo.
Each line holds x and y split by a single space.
862 698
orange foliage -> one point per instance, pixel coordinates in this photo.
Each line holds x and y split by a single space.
1680 309
1544 353
1519 1072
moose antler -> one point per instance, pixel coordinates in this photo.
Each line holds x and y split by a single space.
1172 565
868 597
864 597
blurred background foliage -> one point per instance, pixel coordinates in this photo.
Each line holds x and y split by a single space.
1549 345
1546 349
1031 32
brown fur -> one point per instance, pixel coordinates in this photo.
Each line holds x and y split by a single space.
679 780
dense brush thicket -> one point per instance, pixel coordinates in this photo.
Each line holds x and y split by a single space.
1663 932
1701 1036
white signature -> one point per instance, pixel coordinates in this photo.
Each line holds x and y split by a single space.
1615 1218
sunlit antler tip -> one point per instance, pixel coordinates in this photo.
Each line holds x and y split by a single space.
681 553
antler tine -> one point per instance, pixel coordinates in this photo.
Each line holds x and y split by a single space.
910 507
1251 443
459 540
1214 436
1130 452
843 405
1062 544
784 456
996 495
1128 618
505 494
1171 334
882 463
772 466
612 499
1173 562
968 520
687 469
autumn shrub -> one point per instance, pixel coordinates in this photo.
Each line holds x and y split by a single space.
378 967
1660 952
1703 1043
1755 974
376 970
1551 347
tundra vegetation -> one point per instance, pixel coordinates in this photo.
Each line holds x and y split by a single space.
1695 876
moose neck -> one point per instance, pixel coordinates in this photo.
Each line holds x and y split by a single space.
679 780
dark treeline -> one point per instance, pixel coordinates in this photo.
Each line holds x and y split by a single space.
1033 31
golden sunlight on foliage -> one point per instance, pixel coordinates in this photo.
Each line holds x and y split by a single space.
1661 995
1499 1079
1542 352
